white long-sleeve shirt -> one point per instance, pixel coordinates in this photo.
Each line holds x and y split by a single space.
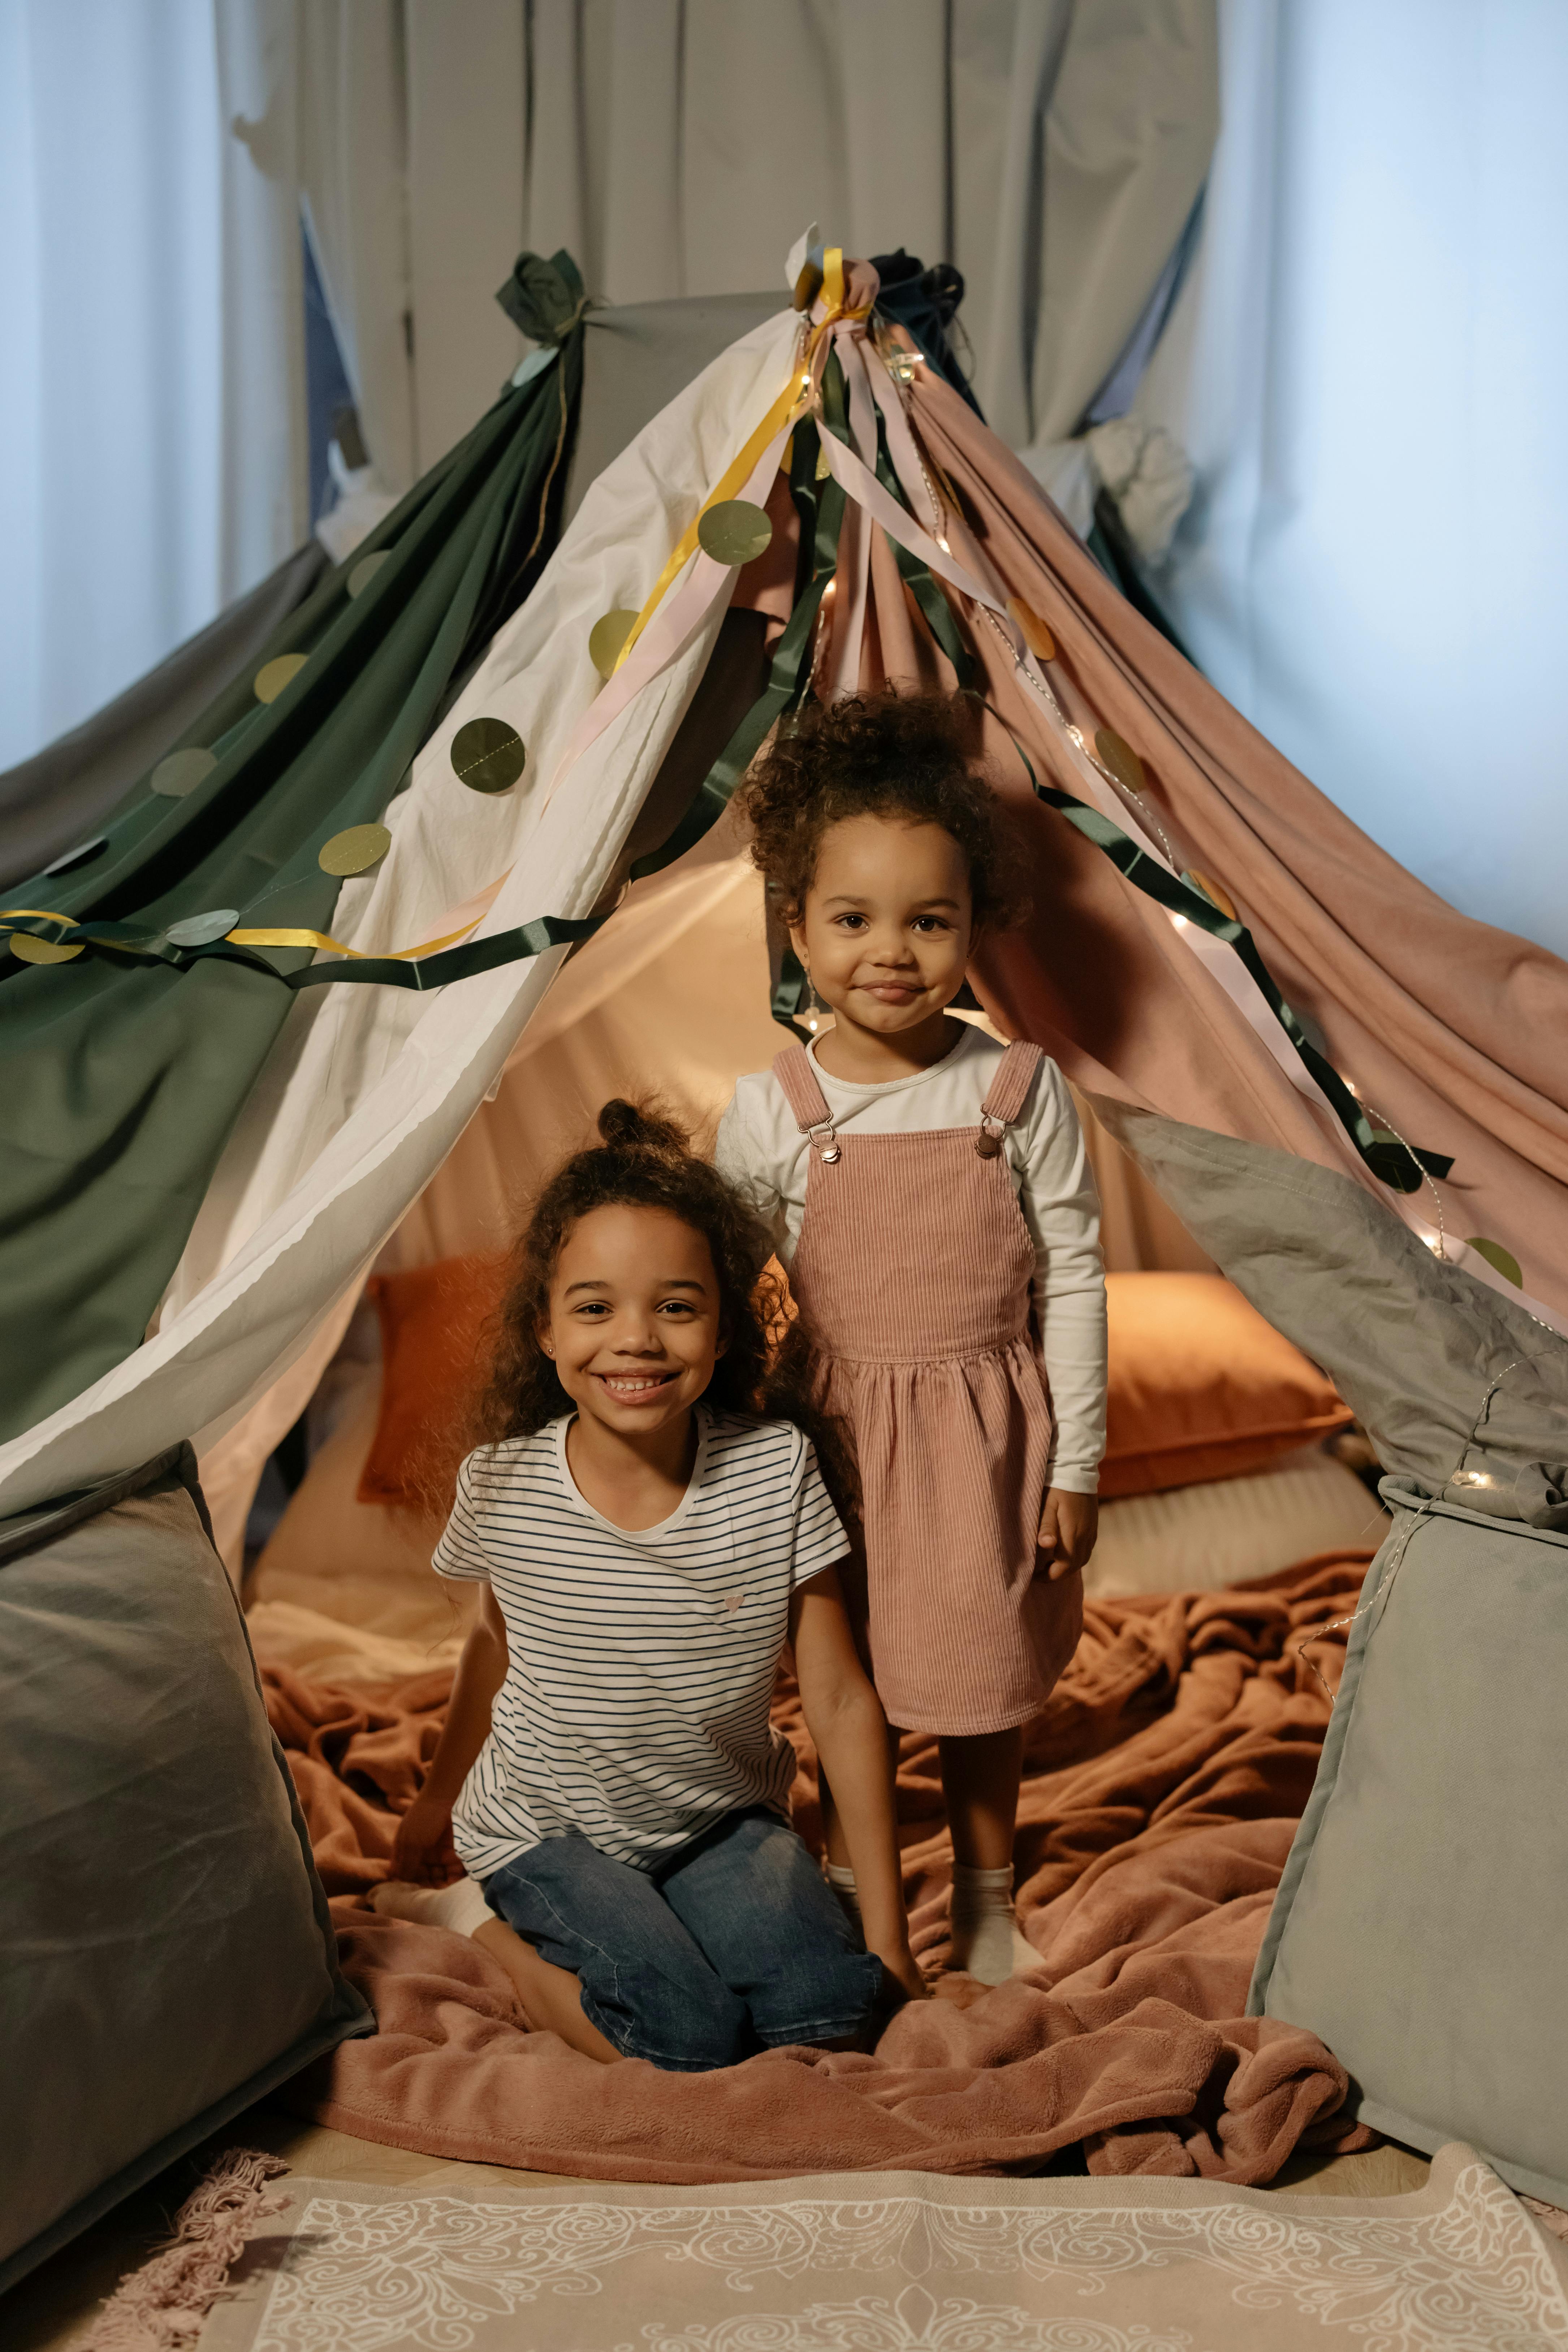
762 1148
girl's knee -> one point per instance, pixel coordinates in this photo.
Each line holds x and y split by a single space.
695 2038
827 1998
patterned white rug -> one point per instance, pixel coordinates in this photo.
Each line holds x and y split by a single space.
901 2262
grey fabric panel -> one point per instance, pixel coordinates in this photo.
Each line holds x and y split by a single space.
1413 1343
164 1937
1422 1919
53 801
161 2153
639 356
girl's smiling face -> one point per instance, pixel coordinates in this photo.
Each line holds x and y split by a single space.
888 926
634 1326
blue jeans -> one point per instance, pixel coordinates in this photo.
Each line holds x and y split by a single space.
732 1943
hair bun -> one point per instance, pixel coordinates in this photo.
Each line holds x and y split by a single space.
627 1127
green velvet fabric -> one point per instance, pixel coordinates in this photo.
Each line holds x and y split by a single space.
120 1079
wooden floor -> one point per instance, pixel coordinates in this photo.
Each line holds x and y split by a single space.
49 2309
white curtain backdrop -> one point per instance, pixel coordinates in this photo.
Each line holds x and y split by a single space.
151 464
1053 148
1367 369
155 155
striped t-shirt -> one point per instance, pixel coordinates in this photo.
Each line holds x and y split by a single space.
641 1661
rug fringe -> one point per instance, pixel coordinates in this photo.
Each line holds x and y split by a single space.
162 2307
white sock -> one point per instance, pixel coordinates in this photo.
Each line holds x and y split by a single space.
985 1937
461 1906
841 1878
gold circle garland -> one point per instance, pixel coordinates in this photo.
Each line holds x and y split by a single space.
365 569
354 849
735 532
488 755
201 930
274 676
607 635
181 771
1120 758
34 950
1037 636
1500 1260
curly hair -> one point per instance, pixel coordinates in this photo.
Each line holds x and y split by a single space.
905 756
769 1368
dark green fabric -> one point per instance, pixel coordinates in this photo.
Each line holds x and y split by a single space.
121 1078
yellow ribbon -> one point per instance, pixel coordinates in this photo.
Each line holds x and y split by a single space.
729 482
325 940
735 475
34 913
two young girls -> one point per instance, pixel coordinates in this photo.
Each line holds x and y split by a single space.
650 1519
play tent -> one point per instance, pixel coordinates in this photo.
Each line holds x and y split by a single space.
1349 1094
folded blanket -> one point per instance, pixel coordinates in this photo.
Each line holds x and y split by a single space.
1163 1785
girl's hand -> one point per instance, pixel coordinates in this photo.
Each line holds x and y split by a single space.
900 1970
423 1853
1068 1524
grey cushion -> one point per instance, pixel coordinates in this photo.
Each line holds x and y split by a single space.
1421 1926
166 1948
1460 1388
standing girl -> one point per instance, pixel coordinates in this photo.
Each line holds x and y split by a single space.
650 1527
930 1193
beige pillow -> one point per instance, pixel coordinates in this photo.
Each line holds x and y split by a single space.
324 1650
1230 1530
366 1564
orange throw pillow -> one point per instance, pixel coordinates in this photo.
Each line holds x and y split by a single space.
432 1318
1200 1386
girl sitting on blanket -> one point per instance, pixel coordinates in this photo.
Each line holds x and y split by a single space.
928 1191
650 1525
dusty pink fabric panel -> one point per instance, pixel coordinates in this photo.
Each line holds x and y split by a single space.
1453 1031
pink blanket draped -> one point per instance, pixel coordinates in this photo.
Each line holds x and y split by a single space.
1163 1782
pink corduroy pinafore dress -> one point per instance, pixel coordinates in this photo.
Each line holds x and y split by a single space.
914 1267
